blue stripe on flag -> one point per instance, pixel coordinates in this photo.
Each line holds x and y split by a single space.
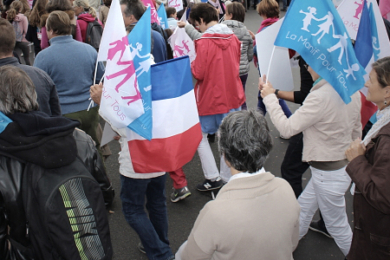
171 79
363 45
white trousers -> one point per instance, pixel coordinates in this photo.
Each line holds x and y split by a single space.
326 190
209 165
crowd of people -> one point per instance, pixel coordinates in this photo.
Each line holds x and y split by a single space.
51 159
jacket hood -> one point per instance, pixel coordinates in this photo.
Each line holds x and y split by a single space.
219 29
37 138
86 17
220 34
238 28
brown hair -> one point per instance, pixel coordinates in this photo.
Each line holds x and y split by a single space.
7 37
26 7
170 11
268 8
37 12
107 2
62 5
237 11
205 11
17 91
382 69
59 23
16 7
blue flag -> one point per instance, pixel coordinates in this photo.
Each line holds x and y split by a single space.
140 45
374 33
363 44
315 30
4 121
162 17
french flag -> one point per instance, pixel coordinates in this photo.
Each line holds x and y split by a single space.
365 54
176 132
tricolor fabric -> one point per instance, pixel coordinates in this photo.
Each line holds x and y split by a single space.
154 15
182 44
140 51
177 4
176 127
162 17
121 101
364 48
315 30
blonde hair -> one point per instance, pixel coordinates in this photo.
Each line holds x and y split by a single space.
85 5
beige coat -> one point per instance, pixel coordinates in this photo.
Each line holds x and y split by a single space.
327 123
254 217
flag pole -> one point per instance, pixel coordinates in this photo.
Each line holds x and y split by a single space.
270 62
94 75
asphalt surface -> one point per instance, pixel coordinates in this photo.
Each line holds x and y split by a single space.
183 214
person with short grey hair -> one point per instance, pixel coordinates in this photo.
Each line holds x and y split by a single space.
245 141
255 214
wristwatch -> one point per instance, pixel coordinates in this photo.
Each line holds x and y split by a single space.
276 92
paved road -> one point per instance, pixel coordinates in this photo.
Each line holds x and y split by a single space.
183 214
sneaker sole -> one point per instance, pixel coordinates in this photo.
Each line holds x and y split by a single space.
321 232
181 197
216 188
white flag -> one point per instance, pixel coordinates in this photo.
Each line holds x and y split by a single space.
121 101
273 60
182 44
177 4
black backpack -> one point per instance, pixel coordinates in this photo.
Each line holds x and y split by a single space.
94 34
65 212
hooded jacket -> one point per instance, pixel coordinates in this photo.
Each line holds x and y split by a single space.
240 30
83 21
49 142
218 88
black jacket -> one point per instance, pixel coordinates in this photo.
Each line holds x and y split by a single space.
50 142
44 85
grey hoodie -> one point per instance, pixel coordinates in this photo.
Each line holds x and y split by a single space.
240 30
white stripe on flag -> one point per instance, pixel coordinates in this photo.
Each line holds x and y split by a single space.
168 119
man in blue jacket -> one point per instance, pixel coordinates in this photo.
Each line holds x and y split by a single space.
71 65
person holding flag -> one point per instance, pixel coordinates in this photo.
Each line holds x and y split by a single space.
328 126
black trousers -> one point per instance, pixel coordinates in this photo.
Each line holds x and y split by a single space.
292 166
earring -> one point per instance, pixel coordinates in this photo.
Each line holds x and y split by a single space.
385 102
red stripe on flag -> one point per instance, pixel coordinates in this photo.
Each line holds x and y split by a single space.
368 109
166 154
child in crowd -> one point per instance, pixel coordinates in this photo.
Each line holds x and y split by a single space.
172 17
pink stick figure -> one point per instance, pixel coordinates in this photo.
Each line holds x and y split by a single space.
134 98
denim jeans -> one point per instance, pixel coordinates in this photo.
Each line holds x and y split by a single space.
153 231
